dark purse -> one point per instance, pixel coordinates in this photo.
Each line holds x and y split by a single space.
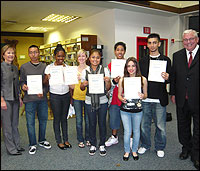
132 104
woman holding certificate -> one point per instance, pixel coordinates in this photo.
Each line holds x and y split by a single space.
10 101
79 102
97 80
132 88
59 97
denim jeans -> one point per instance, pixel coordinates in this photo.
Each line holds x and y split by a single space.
79 106
41 107
131 123
115 118
60 107
101 113
158 113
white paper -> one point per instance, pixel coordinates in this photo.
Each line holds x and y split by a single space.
117 67
71 75
96 83
56 75
34 83
156 67
132 85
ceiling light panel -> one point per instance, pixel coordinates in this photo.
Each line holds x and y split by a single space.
60 18
39 28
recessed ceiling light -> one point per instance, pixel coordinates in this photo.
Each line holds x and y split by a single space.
39 28
60 18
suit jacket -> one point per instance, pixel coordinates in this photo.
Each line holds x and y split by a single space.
9 81
156 90
183 78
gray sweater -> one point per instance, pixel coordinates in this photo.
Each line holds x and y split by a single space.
30 69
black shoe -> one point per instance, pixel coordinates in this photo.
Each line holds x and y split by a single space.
125 158
135 157
184 155
68 145
21 149
62 148
17 153
196 163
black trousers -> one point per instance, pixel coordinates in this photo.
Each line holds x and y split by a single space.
188 137
60 107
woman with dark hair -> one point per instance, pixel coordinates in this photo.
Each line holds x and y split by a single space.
59 100
10 101
96 104
131 115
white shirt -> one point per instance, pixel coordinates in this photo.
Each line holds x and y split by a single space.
56 89
193 53
102 99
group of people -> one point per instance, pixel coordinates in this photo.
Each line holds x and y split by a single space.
182 74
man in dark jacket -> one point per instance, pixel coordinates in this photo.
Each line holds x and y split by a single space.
155 104
184 89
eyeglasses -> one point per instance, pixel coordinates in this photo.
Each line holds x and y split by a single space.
33 53
190 39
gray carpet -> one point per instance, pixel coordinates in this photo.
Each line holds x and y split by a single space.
79 159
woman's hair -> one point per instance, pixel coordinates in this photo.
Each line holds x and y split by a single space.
95 50
126 73
5 48
120 43
58 49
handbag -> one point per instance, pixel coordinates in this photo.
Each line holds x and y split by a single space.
132 104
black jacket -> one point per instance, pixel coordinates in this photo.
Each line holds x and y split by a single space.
183 78
156 90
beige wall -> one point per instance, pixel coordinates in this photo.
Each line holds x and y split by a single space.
23 45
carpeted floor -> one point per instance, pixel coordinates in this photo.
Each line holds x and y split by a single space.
79 159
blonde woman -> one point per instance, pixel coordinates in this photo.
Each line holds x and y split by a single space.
79 102
10 101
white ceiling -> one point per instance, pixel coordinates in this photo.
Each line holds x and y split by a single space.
30 13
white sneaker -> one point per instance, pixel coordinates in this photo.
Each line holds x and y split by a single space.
45 144
32 149
112 140
160 153
92 150
102 150
131 143
142 150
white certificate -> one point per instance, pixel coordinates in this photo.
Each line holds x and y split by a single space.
96 83
156 67
34 83
132 85
117 67
56 75
71 75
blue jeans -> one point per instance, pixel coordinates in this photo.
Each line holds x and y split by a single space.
41 107
158 113
115 118
79 106
101 113
131 122
60 107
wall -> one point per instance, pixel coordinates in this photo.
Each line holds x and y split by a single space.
129 25
23 45
101 24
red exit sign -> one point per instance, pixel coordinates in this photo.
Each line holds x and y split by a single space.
146 30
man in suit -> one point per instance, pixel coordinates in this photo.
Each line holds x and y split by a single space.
184 89
154 106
